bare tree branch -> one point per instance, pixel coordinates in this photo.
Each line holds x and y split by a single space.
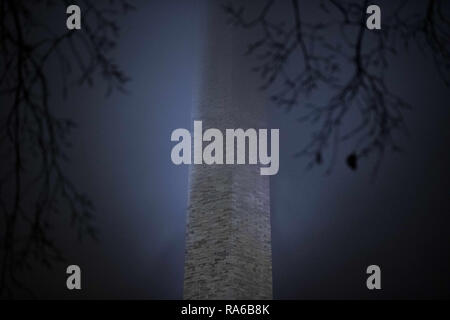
33 184
364 92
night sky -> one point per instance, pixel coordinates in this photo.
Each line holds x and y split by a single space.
326 229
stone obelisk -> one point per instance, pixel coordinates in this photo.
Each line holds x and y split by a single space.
228 242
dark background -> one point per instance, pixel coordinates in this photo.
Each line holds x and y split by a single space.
326 229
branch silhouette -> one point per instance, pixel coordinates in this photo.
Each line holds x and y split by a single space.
33 185
335 41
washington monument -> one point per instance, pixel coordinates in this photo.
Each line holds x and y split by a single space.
228 241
